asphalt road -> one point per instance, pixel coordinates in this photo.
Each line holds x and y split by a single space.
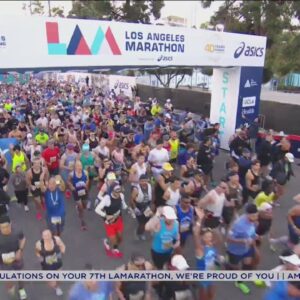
86 247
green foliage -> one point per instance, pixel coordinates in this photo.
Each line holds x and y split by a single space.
268 18
129 11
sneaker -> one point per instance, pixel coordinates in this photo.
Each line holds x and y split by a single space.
13 198
39 216
26 208
58 292
243 287
117 253
83 226
22 294
107 248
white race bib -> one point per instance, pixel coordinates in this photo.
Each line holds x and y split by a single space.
37 184
8 258
148 212
56 220
185 227
81 193
51 259
53 159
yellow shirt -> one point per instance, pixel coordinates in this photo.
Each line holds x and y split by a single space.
8 106
262 198
155 110
18 160
174 148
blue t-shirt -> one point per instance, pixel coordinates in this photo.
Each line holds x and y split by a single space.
242 228
55 203
165 238
80 292
279 291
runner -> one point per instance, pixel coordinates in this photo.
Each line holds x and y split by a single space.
172 193
110 208
139 290
51 157
36 178
18 158
78 183
141 199
137 170
12 244
55 207
49 251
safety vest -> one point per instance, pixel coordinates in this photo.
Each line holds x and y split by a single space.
18 160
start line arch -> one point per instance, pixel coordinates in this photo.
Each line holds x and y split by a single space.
38 44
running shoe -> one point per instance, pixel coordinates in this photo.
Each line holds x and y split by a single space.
58 292
22 294
89 205
83 226
243 287
107 248
39 216
117 253
26 208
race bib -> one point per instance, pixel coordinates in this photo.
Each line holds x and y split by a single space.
53 159
71 164
37 184
8 258
56 220
81 193
148 212
51 259
167 245
184 227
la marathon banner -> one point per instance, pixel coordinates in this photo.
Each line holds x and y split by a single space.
39 42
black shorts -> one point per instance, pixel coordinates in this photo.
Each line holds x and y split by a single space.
234 259
211 222
227 214
264 226
160 259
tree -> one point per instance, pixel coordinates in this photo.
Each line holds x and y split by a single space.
37 8
165 74
268 18
129 11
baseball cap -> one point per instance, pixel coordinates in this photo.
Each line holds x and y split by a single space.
169 213
111 176
265 206
290 157
167 167
85 147
179 262
292 259
29 135
116 187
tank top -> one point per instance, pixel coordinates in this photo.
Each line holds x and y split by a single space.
207 261
234 193
80 184
174 197
18 159
36 179
115 206
197 189
189 172
185 219
164 239
174 148
255 180
70 160
216 208
159 192
144 196
93 143
52 259
139 170
133 287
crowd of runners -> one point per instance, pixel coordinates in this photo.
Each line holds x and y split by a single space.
157 165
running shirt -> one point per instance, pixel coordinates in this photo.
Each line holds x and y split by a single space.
88 163
174 197
216 208
18 160
51 156
262 197
164 240
185 220
51 259
80 184
207 261
80 292
174 148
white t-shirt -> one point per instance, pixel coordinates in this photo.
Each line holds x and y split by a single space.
54 123
174 197
42 121
75 118
158 157
104 151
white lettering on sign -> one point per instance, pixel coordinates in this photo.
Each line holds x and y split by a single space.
249 101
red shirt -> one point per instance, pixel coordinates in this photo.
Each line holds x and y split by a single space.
51 157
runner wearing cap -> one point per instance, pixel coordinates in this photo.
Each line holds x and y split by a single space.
138 290
241 243
162 183
177 289
110 208
78 183
166 239
283 289
49 250
141 199
12 244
